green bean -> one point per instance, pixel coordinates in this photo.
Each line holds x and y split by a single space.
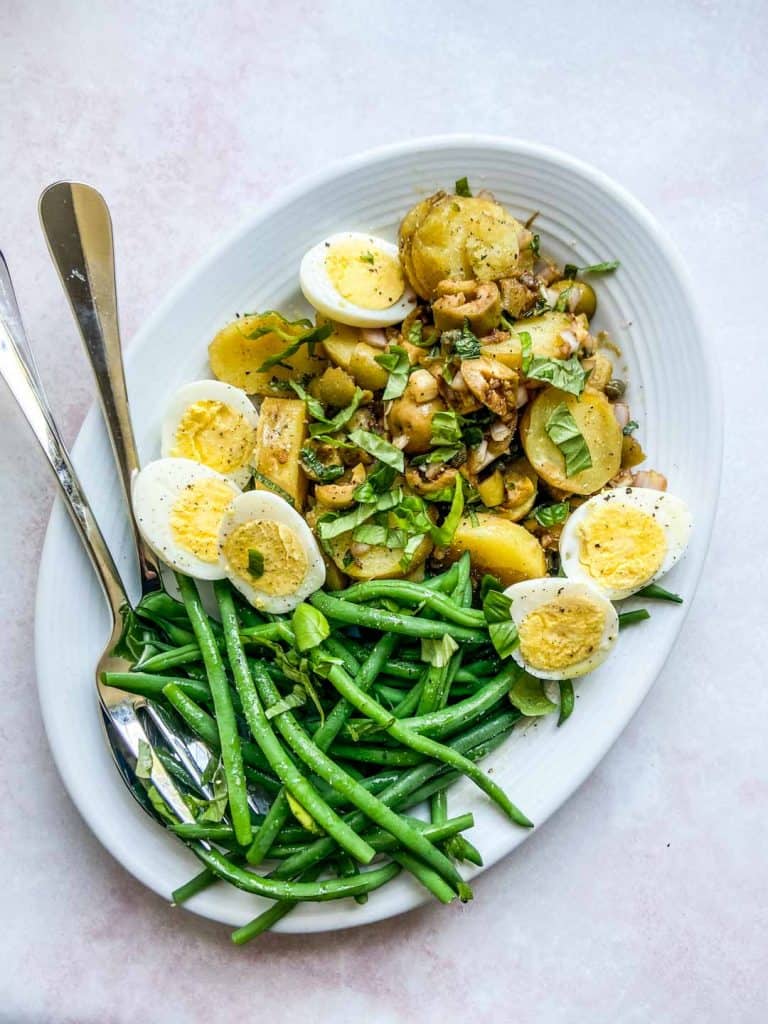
422 744
370 805
376 755
567 699
389 622
401 668
199 883
204 830
428 877
405 592
149 685
346 868
261 729
271 916
629 618
268 632
278 814
261 778
410 702
231 755
323 737
448 720
204 725
653 590
273 888
461 848
392 695
185 655
411 787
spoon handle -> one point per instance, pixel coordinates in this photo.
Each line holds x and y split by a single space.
78 229
18 370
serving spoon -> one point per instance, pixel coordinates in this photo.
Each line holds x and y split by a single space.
125 731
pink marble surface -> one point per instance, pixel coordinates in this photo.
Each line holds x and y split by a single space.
645 898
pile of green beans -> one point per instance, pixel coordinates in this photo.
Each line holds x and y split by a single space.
335 744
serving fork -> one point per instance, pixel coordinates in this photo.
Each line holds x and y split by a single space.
129 741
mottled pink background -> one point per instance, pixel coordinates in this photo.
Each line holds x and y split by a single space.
645 898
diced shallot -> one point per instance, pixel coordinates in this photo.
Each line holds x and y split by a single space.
522 396
570 340
500 430
374 336
621 412
649 478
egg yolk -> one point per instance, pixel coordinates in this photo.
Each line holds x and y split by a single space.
620 546
216 435
285 561
196 516
561 633
363 275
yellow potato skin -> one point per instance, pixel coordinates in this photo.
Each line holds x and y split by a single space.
498 546
459 238
235 358
377 563
280 435
594 417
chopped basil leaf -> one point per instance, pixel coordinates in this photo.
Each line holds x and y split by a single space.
562 300
501 627
653 590
563 431
438 652
368 257
489 582
255 563
332 526
217 805
342 417
462 188
443 534
549 515
294 699
566 700
378 480
466 346
410 549
379 448
310 337
314 408
270 485
630 427
143 768
310 626
446 428
527 695
536 245
565 374
316 468
398 364
570 270
415 332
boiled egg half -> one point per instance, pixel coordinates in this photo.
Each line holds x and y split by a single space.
625 538
356 279
179 506
566 629
213 423
267 551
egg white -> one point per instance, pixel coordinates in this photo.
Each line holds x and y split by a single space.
207 391
321 293
265 505
528 595
156 489
670 512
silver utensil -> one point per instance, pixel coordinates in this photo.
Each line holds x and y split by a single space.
125 731
78 229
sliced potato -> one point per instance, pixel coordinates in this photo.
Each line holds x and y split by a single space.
364 368
375 563
235 357
594 417
521 486
499 546
546 342
340 345
280 435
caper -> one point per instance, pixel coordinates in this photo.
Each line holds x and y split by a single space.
615 388
581 297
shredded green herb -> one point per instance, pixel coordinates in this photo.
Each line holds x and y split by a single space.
255 563
550 515
270 485
462 188
311 337
380 449
397 363
563 431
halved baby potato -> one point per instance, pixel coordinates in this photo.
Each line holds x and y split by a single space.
377 563
545 331
240 348
598 425
498 546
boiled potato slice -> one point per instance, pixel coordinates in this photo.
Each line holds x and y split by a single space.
460 238
500 547
594 417
377 563
235 357
340 345
545 339
280 435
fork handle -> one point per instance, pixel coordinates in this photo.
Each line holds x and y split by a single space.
78 229
19 373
